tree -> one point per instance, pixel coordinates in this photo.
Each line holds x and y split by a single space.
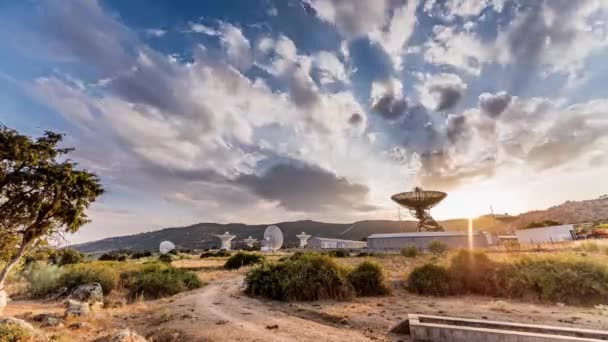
42 194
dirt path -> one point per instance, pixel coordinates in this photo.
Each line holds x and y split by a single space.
219 311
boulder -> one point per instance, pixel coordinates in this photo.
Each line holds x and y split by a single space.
19 330
77 310
88 293
48 320
126 335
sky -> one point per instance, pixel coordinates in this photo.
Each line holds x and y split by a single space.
267 111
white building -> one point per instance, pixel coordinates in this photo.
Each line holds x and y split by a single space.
328 243
546 234
397 241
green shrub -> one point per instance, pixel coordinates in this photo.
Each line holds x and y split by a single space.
158 280
511 245
139 255
113 256
242 259
42 279
367 279
437 247
104 273
365 254
339 253
67 256
474 272
219 254
165 258
308 277
410 251
429 279
12 332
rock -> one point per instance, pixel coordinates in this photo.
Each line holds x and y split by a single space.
79 325
48 320
22 329
344 321
126 335
3 300
61 292
88 293
70 302
272 327
77 310
401 328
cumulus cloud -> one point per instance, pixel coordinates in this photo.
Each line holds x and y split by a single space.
387 99
441 91
351 18
355 119
302 187
457 48
494 104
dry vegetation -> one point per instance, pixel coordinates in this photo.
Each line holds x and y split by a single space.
206 313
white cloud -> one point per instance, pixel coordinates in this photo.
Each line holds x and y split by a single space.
155 32
330 66
440 91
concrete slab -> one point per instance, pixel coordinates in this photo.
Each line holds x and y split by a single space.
451 329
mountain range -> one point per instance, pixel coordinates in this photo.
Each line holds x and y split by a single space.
202 235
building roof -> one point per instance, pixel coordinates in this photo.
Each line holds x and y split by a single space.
337 240
418 234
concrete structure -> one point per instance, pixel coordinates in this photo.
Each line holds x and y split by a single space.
546 234
397 241
450 329
226 240
328 243
303 239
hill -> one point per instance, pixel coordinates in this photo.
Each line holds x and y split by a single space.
568 212
201 235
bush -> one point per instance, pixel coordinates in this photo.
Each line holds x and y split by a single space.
429 279
338 253
165 258
67 256
42 279
474 272
220 254
242 259
157 281
106 274
365 254
367 279
139 255
307 278
14 332
410 251
512 245
437 247
113 256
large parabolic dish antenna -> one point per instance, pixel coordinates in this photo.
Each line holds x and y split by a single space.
273 238
166 247
419 202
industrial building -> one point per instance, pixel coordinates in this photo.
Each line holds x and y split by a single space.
397 241
565 232
328 243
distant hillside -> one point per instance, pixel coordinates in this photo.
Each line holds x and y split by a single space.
568 212
200 236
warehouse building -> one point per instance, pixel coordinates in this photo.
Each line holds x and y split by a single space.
328 243
397 241
565 232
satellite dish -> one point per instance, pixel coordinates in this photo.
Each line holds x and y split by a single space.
166 247
273 239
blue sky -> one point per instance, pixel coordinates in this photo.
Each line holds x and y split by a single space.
265 111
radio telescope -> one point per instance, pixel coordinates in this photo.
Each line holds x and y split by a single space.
303 239
273 239
226 239
250 241
419 202
166 247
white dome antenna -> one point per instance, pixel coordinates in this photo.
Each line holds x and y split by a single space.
273 239
166 247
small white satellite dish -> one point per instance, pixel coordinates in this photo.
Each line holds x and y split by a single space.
166 247
273 239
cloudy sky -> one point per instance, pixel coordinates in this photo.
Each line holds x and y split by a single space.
265 111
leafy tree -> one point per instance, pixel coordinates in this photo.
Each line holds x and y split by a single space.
42 194
539 224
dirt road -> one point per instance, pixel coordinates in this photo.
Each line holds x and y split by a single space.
219 311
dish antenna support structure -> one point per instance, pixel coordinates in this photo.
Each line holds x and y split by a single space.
419 202
303 239
226 240
273 239
250 241
166 247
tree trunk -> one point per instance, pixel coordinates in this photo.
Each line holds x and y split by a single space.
12 262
